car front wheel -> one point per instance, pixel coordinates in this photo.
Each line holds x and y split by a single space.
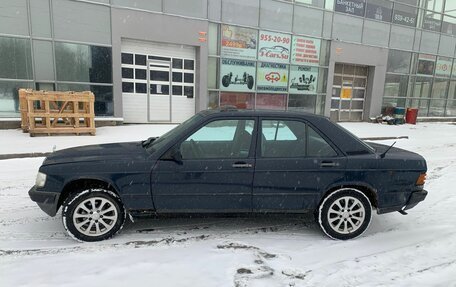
345 214
93 215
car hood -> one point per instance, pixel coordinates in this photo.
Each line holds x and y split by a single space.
103 152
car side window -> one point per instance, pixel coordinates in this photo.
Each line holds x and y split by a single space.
219 139
283 138
318 146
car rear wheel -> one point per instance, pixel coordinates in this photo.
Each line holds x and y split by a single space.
345 214
93 215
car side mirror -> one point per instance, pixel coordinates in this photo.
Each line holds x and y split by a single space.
173 154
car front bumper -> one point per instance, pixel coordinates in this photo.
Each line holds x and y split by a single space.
47 201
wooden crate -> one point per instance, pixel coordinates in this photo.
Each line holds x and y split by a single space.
58 112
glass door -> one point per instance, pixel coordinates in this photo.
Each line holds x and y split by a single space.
348 92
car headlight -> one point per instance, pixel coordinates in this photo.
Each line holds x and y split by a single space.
40 179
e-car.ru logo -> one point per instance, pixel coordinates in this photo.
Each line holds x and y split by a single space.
272 77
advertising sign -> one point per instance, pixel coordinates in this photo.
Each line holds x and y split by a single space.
305 51
353 7
432 24
303 80
274 47
272 77
239 42
443 67
347 90
404 18
237 75
426 64
380 13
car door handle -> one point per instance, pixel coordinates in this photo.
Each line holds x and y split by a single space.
242 165
327 164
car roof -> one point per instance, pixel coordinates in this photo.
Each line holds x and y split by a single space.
231 111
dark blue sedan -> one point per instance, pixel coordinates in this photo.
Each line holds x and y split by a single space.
229 161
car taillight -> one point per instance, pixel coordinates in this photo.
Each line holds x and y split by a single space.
421 179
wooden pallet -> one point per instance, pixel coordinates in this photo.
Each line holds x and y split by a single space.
49 113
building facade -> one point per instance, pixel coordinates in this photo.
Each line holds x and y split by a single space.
163 60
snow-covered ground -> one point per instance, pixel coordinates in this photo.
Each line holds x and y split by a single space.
414 250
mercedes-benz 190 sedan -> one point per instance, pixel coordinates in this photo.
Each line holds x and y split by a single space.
230 161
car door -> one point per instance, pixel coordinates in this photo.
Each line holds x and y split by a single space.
210 170
294 164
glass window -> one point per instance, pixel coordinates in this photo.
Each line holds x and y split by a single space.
189 64
436 108
15 58
177 77
177 90
152 5
422 87
450 8
401 37
127 58
443 67
292 139
439 88
381 10
140 60
104 105
127 73
447 45
44 60
71 17
329 4
449 25
188 91
141 88
213 40
219 139
241 12
317 146
127 87
429 42
307 21
188 78
425 64
9 97
399 61
432 21
213 102
212 68
83 63
376 33
41 24
347 28
192 8
271 101
13 17
434 5
276 15
404 15
239 100
177 63
304 103
140 74
410 2
395 85
283 138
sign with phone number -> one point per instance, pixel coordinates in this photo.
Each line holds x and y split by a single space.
274 47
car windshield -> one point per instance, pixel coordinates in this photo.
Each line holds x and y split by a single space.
159 142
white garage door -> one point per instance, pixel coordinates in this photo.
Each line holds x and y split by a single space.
158 82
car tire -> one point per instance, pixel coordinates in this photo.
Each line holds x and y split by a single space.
93 215
345 214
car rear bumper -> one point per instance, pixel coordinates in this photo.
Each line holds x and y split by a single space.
47 201
414 198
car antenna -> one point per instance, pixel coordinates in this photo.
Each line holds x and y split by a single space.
384 153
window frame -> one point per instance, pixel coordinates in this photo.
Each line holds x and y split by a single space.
253 142
258 151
